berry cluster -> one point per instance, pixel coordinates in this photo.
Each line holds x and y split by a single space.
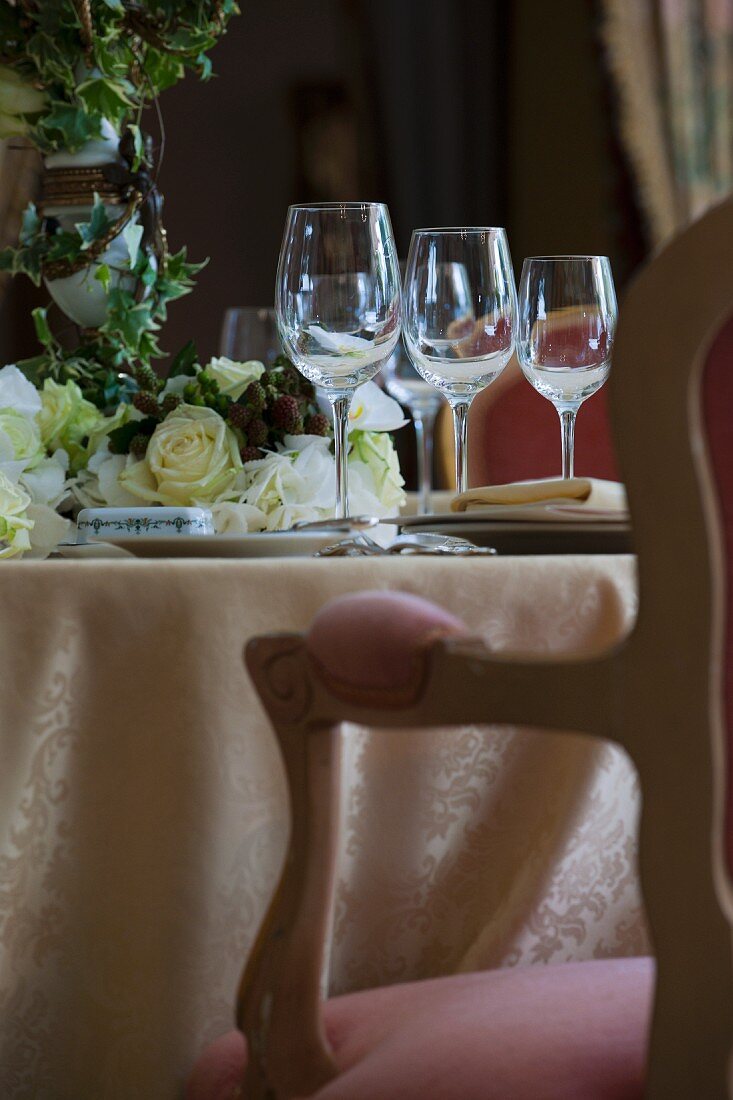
281 403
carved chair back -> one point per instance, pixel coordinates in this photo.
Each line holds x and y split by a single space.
661 693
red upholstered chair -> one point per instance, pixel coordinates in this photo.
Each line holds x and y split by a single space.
574 1031
514 435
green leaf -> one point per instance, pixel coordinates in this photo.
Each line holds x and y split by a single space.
106 97
63 246
138 144
102 275
162 70
43 332
185 362
30 224
96 227
35 368
121 438
132 234
67 127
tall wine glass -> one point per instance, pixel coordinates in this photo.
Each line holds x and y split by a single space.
402 382
460 303
567 322
337 301
249 333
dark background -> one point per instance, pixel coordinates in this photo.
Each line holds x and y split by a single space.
466 112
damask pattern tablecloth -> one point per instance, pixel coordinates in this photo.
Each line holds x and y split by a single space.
143 810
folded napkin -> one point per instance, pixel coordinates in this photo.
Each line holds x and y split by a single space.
576 494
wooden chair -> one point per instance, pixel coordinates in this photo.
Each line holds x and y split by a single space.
665 693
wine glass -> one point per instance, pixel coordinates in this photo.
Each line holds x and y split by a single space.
249 333
567 321
402 382
338 304
460 302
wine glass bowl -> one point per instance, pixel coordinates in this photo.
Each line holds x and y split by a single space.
249 333
338 304
460 303
566 327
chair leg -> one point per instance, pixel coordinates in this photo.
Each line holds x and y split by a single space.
279 1004
692 1026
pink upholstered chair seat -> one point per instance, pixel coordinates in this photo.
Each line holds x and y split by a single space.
374 641
572 1032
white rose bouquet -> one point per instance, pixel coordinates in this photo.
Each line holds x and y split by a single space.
248 441
34 461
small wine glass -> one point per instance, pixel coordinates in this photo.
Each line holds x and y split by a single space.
402 382
567 322
249 333
460 303
338 304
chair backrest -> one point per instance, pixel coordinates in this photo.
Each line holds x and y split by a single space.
717 416
661 693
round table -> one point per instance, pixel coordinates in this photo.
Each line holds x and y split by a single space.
143 809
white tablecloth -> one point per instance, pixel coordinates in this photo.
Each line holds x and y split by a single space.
142 807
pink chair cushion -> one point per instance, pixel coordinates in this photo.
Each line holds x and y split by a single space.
218 1073
375 640
576 1031
515 436
718 418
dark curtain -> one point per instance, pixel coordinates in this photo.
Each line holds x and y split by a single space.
436 80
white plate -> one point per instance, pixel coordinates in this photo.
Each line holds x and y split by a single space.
543 512
93 549
260 544
538 538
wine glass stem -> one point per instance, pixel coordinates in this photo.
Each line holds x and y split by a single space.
424 423
460 433
567 427
341 403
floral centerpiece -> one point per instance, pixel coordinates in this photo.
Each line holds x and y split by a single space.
94 421
249 442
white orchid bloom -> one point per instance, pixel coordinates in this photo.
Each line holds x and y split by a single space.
342 343
373 410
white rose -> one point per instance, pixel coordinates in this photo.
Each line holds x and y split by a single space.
192 458
233 378
15 523
21 437
67 419
17 393
374 461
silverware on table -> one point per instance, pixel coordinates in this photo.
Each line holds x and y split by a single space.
348 523
362 545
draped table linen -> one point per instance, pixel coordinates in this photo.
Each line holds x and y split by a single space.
143 808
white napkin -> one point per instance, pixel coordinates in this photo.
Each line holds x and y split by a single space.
551 498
